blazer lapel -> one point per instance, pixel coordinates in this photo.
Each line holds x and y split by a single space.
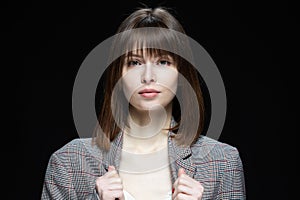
179 157
113 155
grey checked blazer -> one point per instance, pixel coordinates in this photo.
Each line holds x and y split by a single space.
73 169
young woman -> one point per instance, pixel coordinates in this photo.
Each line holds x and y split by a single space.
146 146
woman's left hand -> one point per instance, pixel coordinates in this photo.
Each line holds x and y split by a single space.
186 188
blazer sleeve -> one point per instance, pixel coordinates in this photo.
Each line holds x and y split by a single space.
232 183
58 181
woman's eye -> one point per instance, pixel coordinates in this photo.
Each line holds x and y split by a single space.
164 62
133 63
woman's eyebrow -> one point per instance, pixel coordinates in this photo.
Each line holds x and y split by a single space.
165 56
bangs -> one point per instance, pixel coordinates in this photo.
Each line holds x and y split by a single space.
148 38
151 41
151 52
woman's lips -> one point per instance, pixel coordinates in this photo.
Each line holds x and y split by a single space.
149 93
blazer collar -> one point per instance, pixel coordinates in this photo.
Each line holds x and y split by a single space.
113 156
179 156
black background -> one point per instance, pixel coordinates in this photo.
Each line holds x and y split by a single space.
247 41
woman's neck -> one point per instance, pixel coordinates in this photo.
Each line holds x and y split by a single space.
146 132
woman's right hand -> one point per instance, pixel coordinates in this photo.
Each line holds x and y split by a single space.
109 186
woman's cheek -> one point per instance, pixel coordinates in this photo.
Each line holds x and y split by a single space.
130 83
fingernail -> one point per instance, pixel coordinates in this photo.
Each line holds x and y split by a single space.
173 190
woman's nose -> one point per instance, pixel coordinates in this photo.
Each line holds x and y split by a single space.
148 75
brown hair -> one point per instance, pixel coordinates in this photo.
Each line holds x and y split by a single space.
147 17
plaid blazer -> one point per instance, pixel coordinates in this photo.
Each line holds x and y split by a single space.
73 169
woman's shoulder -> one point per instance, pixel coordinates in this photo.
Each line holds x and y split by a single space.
206 147
82 147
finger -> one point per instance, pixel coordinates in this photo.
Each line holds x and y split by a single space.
180 172
120 195
182 180
112 173
114 180
115 187
113 194
194 189
183 189
185 181
182 196
111 168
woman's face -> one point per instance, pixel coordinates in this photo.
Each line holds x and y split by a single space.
149 81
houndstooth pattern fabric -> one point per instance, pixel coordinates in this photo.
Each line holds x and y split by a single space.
73 169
